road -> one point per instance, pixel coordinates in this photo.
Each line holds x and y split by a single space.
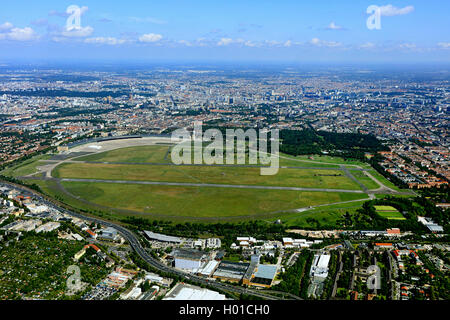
139 249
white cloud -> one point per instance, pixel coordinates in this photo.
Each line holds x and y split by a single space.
315 41
6 26
407 46
253 44
105 40
444 45
150 37
185 42
202 42
367 45
390 11
78 32
9 32
334 26
22 34
332 44
322 43
225 42
273 43
250 44
59 39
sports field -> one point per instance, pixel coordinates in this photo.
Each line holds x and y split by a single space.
389 213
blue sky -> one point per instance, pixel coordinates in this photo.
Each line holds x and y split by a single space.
231 30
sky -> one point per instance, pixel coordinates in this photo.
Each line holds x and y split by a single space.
409 31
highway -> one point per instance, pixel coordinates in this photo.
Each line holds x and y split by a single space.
139 249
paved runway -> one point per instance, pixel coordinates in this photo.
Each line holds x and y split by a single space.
157 183
207 165
98 147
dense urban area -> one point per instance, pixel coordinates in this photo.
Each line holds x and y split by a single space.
366 219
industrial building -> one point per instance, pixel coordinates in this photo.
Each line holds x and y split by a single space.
213 243
37 209
231 271
264 275
319 267
189 260
249 274
154 278
260 275
430 224
109 233
49 226
209 268
184 291
162 237
318 274
23 225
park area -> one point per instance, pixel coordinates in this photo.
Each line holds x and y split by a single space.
142 181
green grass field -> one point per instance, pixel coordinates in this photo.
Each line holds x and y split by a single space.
114 201
200 202
142 154
327 160
385 208
162 154
365 180
389 213
27 167
385 181
186 203
324 216
193 174
320 179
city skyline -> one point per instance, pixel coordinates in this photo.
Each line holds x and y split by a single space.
291 32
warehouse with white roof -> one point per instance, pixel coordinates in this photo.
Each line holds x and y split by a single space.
184 291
